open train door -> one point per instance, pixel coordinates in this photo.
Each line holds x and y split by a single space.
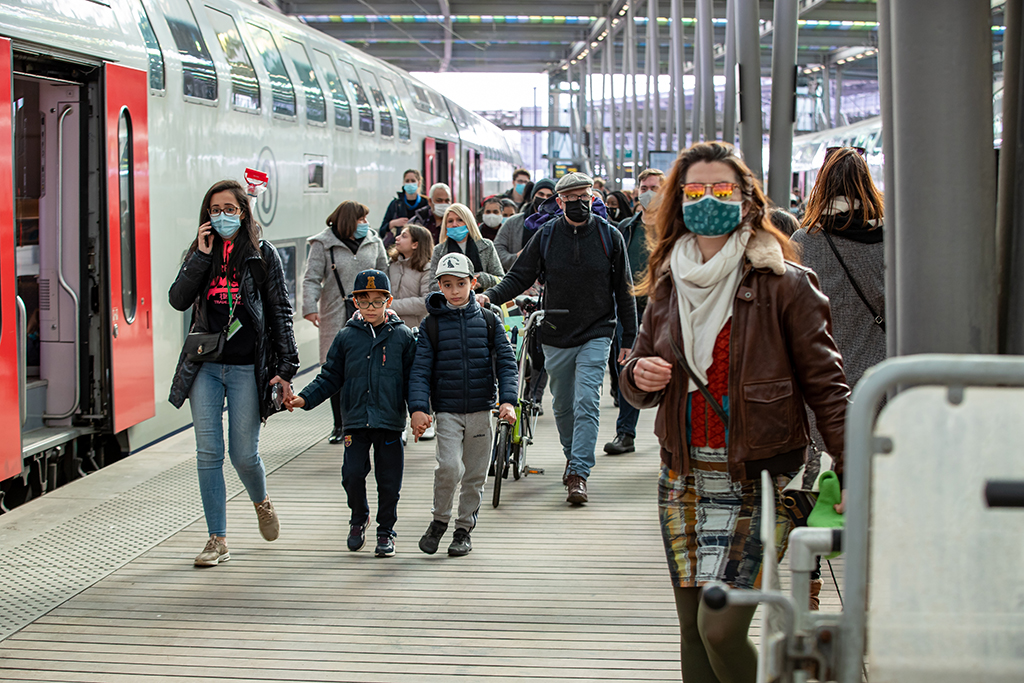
131 301
11 324
473 196
429 163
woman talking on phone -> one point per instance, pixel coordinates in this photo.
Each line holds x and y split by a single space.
241 347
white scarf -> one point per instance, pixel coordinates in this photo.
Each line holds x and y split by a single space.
705 292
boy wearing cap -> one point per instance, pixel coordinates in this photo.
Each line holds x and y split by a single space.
369 363
460 347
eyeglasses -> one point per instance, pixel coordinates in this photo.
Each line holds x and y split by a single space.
363 303
227 211
724 191
574 197
832 150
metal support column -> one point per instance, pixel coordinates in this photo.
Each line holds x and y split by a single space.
826 95
570 111
618 116
630 45
553 151
780 160
838 109
698 92
591 118
706 77
655 70
748 40
678 54
889 150
729 99
645 137
607 105
1010 210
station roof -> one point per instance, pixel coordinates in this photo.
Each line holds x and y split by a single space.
542 35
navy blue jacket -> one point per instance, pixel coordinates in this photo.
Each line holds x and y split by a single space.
457 377
372 372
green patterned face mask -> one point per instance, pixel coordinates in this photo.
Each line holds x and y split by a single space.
711 217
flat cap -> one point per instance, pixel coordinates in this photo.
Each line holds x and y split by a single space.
573 181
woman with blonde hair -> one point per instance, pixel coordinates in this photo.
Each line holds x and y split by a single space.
336 255
460 234
735 338
410 273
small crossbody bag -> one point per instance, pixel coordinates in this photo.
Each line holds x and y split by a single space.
879 320
208 347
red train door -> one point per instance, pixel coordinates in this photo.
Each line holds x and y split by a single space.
131 301
429 163
10 327
470 175
453 170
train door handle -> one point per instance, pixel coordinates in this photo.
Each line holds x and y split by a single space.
115 330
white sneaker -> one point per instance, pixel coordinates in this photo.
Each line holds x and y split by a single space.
429 434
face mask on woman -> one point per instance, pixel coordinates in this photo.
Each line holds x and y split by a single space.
711 217
226 225
458 232
361 230
492 220
410 188
439 209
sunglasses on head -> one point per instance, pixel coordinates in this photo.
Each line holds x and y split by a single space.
723 191
832 150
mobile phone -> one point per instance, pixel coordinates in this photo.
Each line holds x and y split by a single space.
277 396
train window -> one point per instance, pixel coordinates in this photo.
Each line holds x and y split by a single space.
440 108
362 102
126 200
280 82
287 254
245 88
316 166
316 106
396 102
156 58
342 109
387 125
199 76
419 96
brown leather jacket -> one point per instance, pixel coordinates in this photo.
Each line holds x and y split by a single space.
781 353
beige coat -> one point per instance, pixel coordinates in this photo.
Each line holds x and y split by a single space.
320 288
410 289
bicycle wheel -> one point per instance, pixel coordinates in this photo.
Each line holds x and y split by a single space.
524 426
502 443
517 443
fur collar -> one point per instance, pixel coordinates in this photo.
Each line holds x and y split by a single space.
763 251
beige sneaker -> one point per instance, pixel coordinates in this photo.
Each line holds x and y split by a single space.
269 526
215 552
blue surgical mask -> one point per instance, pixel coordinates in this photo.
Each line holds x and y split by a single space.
458 232
711 217
226 225
520 188
503 219
410 188
361 230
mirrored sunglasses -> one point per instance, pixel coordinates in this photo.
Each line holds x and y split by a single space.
724 191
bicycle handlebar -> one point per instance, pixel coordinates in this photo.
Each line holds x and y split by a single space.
1004 493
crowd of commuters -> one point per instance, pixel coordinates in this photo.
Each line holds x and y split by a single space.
695 255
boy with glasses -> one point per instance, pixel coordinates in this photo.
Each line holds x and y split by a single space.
369 363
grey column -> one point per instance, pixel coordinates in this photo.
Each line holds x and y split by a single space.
839 97
826 95
619 136
645 136
945 245
552 122
698 91
706 76
653 34
729 103
1010 212
670 100
569 111
885 85
780 160
678 54
630 45
607 120
591 118
748 42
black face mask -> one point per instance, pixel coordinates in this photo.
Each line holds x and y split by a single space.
537 201
577 211
613 214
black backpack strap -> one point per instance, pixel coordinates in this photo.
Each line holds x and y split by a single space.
492 323
430 323
705 392
879 320
337 278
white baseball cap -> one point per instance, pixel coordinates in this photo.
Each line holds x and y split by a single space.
458 265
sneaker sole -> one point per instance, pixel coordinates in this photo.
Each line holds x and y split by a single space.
356 550
615 451
577 499
458 553
269 538
212 563
429 551
380 554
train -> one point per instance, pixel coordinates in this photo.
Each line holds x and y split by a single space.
115 117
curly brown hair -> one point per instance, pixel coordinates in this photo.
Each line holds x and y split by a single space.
844 174
668 215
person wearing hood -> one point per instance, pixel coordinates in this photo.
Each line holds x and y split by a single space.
490 219
369 365
620 207
510 239
587 275
402 207
345 248
438 200
634 231
460 235
519 190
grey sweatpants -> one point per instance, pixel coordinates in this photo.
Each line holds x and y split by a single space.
463 454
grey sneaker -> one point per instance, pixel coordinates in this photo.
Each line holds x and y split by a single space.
461 544
432 538
270 527
215 552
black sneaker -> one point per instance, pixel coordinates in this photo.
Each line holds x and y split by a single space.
432 538
460 544
385 546
622 443
356 536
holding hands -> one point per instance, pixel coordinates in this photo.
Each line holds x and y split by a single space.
420 422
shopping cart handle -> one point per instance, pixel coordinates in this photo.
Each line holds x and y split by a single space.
1004 493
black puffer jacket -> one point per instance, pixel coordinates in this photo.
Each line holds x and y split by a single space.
265 297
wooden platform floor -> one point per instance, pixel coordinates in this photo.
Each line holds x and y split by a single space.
549 593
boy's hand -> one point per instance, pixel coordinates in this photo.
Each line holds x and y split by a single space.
420 422
293 402
507 412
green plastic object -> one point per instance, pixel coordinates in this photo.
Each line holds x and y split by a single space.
824 514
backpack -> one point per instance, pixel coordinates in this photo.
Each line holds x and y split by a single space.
430 324
608 243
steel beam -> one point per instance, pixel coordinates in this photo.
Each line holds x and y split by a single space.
839 121
655 70
729 99
706 74
783 114
676 37
698 88
633 117
1009 211
749 53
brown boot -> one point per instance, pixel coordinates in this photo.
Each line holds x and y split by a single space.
577 490
815 593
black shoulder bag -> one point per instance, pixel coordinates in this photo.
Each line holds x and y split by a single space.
350 305
208 347
879 320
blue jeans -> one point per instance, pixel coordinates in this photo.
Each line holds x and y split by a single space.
576 375
206 398
625 425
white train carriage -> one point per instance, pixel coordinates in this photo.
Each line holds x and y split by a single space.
115 116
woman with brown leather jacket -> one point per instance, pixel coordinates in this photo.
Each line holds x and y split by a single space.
727 298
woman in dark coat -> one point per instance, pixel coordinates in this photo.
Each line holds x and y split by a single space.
402 207
232 280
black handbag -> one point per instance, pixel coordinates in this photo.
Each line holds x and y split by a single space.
208 347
